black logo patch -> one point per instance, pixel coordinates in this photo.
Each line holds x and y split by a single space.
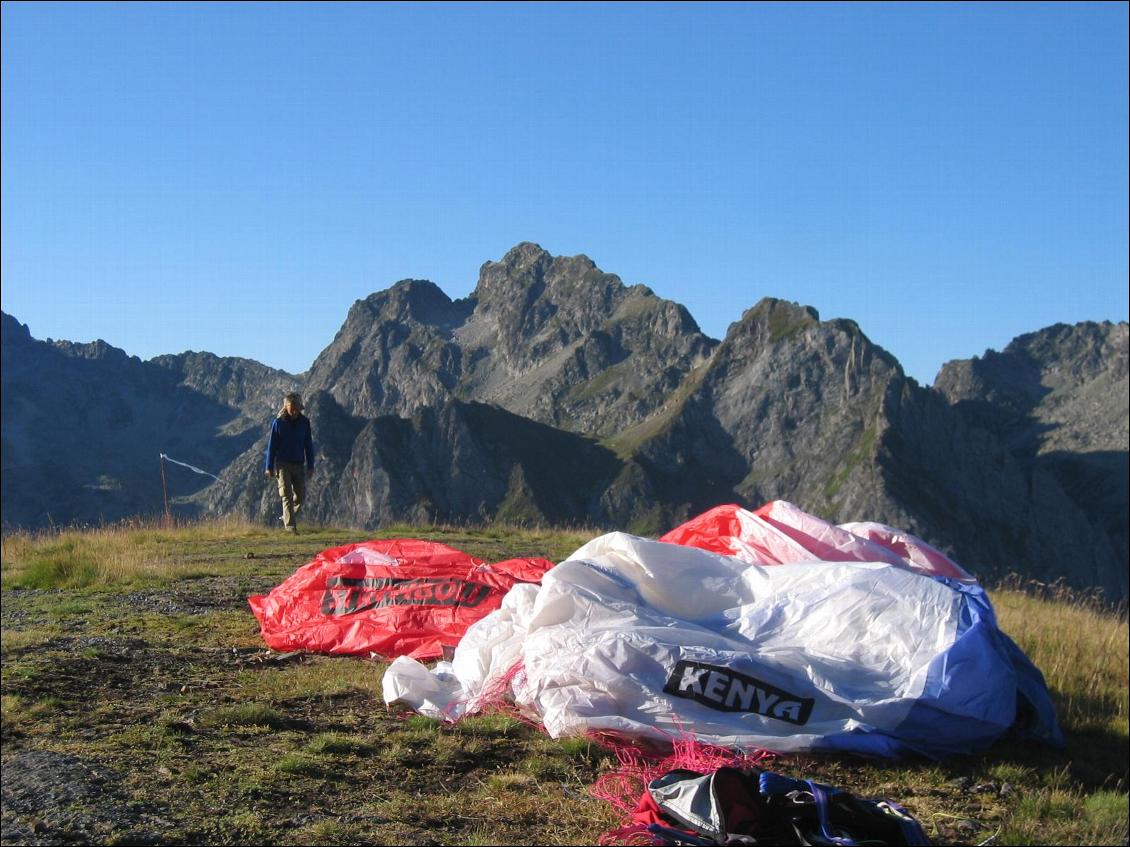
348 595
727 690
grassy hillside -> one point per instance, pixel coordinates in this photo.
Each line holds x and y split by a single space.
139 704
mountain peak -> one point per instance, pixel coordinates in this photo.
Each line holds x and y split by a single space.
529 287
13 331
97 349
524 253
775 307
527 263
418 300
1074 351
774 319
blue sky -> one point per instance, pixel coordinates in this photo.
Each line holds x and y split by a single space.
231 178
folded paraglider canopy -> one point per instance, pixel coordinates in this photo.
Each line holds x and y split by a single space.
793 634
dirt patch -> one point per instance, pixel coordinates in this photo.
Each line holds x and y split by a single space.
199 596
54 798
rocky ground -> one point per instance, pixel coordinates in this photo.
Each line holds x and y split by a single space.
157 716
51 797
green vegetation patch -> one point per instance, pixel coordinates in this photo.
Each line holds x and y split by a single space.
338 744
244 714
331 830
864 447
423 726
321 677
58 565
783 320
15 641
628 442
296 763
600 383
491 726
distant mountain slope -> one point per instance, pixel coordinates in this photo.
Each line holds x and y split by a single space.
244 384
556 394
84 425
794 408
450 462
1058 399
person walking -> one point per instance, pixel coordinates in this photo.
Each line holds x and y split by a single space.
290 457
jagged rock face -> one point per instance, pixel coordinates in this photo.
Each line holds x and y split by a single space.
802 401
1058 399
1062 388
788 407
454 462
794 408
557 340
530 305
964 490
549 338
394 353
85 424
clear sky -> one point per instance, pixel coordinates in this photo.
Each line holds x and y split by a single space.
231 178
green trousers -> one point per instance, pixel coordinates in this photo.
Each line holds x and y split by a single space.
291 477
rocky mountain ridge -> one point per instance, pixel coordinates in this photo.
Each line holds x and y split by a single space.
555 393
84 425
549 338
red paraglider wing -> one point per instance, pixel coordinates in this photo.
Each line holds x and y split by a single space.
400 597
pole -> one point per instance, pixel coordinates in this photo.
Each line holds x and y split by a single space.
165 489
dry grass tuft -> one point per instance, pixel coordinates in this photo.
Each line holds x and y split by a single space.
1081 650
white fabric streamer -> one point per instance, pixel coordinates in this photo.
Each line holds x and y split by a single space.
190 467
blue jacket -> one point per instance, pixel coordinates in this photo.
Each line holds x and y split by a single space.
290 441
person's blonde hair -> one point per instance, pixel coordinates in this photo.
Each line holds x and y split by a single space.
295 399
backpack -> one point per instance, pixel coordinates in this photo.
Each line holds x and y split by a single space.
754 806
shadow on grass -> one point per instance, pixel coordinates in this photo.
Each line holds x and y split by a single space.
253 714
1093 758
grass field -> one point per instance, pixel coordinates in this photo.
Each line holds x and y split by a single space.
140 705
